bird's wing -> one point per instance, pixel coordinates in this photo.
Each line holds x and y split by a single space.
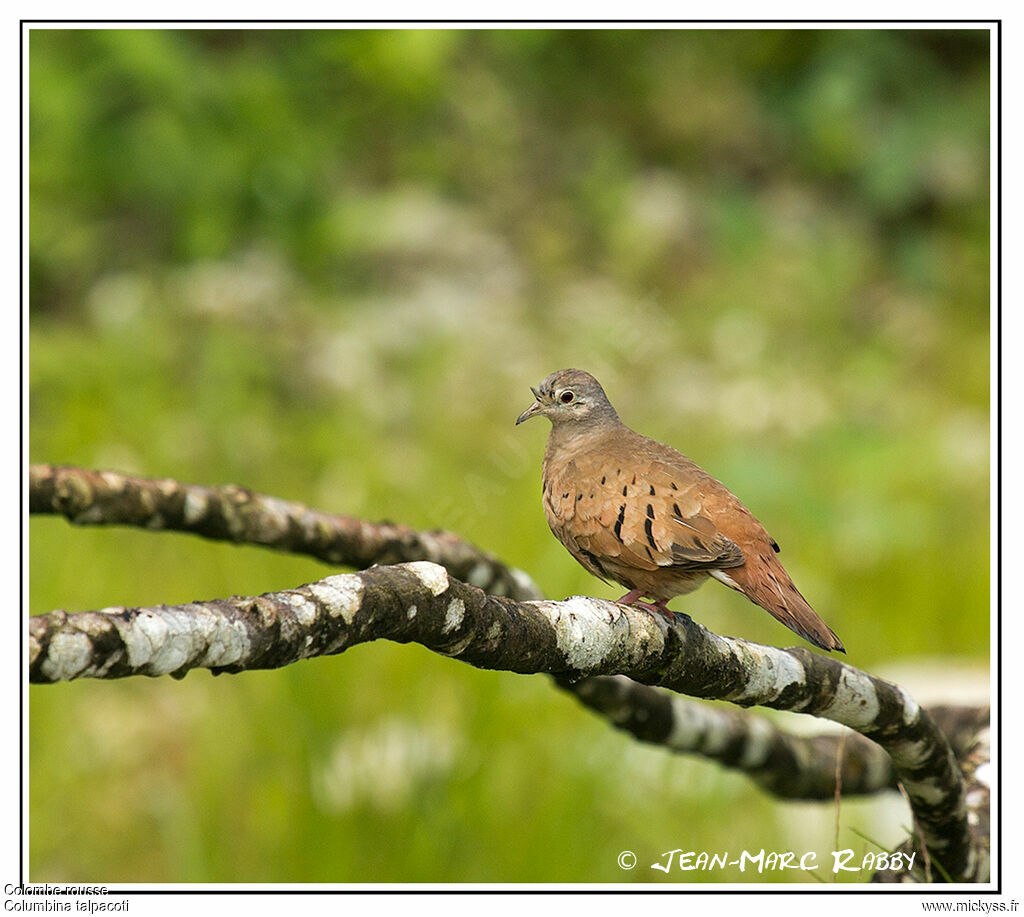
646 516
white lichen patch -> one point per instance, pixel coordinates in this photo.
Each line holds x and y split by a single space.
689 723
697 727
143 637
68 655
163 641
431 549
911 754
770 672
433 576
411 613
856 702
196 506
114 480
479 576
276 516
305 610
493 632
929 791
587 630
758 744
91 514
227 643
522 580
160 642
910 708
341 594
453 615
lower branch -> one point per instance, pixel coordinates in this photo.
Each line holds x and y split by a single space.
970 734
788 766
420 603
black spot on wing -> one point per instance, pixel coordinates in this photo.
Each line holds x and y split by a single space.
618 523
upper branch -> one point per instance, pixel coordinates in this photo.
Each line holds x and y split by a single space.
231 513
420 603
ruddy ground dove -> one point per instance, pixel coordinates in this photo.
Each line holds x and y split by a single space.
636 511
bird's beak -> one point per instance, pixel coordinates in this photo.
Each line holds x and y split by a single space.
532 410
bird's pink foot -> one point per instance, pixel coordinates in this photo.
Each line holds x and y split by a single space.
633 598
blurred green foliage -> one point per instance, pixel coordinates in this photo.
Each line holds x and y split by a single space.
327 265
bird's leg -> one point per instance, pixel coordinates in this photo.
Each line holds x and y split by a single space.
633 598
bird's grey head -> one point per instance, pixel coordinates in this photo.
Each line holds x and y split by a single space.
570 396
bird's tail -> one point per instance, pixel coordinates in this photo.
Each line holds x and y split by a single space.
772 589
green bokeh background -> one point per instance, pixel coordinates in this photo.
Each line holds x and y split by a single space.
327 265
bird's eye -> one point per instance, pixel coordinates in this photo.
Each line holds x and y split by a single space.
566 397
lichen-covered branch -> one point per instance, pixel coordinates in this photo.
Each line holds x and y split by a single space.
970 734
231 513
789 766
579 637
